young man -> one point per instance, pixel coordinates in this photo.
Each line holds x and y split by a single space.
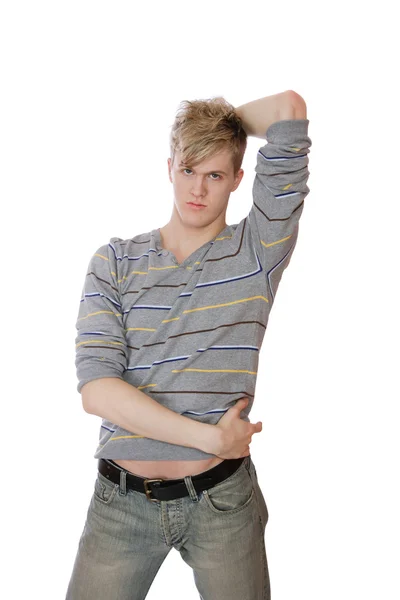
170 327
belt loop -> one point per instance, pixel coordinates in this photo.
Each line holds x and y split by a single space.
122 482
191 489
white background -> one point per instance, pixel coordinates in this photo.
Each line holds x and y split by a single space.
89 93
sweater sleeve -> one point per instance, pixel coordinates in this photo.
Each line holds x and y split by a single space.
279 190
101 349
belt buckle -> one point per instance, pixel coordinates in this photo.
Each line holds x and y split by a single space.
148 492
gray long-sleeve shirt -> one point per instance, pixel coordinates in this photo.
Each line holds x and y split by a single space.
189 334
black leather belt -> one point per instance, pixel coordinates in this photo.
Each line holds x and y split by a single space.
168 489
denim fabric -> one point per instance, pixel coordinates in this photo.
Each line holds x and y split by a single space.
218 532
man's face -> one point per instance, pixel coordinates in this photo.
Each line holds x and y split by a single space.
209 183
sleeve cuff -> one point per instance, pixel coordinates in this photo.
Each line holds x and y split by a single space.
287 131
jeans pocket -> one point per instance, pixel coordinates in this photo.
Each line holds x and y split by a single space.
104 489
232 495
259 495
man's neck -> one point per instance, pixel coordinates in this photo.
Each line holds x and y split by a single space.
186 241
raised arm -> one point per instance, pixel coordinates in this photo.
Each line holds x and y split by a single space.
280 183
259 114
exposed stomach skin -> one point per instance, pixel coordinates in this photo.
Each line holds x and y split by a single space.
168 469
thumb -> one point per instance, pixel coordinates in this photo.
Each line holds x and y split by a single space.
242 403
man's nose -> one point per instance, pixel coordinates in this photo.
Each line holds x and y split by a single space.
199 186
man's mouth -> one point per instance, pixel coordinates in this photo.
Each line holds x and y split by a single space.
196 206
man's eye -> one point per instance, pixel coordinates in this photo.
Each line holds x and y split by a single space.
219 176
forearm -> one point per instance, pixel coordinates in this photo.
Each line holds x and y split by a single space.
259 114
123 404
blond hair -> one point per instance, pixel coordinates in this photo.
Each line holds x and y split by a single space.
203 128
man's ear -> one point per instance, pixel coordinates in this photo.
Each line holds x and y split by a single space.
238 179
169 169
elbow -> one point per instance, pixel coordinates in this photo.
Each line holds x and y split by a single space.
95 392
87 396
85 400
296 104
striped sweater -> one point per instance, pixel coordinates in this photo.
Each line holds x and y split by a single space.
189 334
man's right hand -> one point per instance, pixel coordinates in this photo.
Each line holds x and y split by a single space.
235 433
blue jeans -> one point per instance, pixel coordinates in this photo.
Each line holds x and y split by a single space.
218 532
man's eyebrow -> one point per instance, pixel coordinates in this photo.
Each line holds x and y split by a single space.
215 171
